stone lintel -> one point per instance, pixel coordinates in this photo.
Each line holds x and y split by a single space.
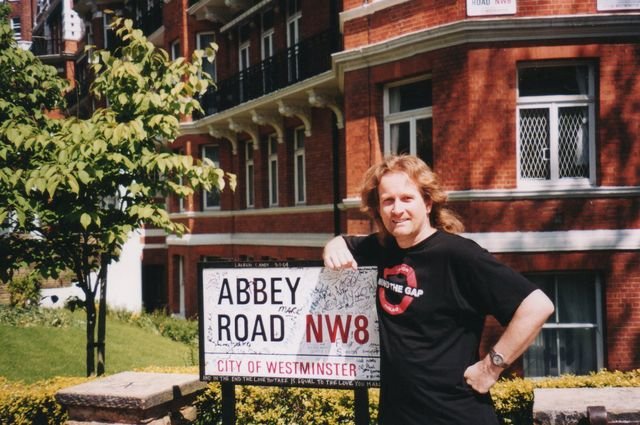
568 406
131 398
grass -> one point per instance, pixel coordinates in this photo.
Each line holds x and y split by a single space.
40 351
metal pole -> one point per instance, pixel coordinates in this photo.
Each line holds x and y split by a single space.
361 398
228 403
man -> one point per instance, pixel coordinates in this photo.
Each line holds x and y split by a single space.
434 290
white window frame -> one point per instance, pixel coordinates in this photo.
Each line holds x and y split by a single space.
411 116
200 45
299 175
249 175
267 36
599 326
16 27
554 103
272 147
293 38
216 163
175 49
106 29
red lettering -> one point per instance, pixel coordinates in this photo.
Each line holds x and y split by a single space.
337 327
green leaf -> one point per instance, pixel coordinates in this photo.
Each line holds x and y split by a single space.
73 184
85 220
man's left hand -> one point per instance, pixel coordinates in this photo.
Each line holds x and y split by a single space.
482 375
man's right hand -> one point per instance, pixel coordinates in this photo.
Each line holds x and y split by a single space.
336 255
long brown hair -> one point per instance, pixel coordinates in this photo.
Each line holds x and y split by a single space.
441 218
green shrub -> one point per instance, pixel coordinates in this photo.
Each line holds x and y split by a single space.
513 397
25 317
174 328
33 404
24 290
283 406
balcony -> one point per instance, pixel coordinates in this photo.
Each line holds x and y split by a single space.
42 46
148 20
306 59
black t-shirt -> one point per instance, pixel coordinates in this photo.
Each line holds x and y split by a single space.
432 300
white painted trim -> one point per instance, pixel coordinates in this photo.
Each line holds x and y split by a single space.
148 246
150 233
300 209
316 240
571 240
496 242
483 30
367 9
510 194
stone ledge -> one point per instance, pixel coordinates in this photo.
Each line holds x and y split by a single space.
132 398
568 406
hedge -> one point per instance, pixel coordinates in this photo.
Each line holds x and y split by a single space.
22 404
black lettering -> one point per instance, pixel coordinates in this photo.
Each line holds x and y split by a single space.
242 325
223 325
260 291
259 331
242 291
275 290
277 336
293 289
225 292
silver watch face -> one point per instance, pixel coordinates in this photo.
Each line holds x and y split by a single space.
497 359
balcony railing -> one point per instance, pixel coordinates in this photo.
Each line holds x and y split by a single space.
310 57
148 20
41 46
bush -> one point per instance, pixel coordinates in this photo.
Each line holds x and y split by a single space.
283 406
25 317
24 290
33 404
513 397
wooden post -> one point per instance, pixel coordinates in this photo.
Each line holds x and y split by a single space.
361 399
228 403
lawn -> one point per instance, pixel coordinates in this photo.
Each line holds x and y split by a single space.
38 351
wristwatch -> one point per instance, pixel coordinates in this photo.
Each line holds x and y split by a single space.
497 359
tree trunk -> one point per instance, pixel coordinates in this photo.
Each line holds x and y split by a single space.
90 307
102 318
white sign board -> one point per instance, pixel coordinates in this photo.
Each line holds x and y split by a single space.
288 323
491 7
618 4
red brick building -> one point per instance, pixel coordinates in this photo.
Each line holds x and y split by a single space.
527 109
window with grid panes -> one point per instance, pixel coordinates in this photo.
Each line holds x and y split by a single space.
407 119
571 339
249 174
299 166
211 199
267 51
556 125
16 28
272 143
294 15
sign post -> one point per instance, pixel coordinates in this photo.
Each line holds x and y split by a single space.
288 324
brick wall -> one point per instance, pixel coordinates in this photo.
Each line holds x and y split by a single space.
417 15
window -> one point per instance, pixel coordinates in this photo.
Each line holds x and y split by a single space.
175 50
16 28
273 170
110 39
211 199
267 52
203 40
249 174
408 119
294 15
243 60
556 125
571 340
299 166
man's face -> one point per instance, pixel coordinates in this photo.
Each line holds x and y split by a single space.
404 213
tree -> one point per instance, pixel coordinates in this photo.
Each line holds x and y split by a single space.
76 188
